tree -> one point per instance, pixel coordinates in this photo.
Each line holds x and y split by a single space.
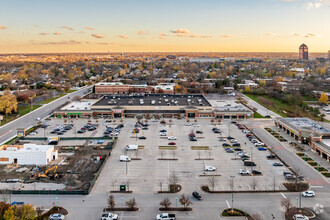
286 203
173 179
324 98
111 201
161 184
9 214
3 207
131 203
184 200
212 182
166 202
8 103
24 212
247 89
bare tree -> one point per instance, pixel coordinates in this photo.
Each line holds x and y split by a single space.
161 182
5 195
173 179
254 183
128 182
166 202
131 203
185 201
297 173
212 181
113 184
38 211
111 201
286 203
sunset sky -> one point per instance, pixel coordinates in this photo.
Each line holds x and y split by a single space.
164 25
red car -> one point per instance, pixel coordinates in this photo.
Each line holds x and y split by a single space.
172 143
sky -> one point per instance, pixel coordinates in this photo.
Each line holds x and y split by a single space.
45 26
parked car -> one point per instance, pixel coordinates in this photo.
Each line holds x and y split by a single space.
243 172
249 163
124 158
237 149
199 132
222 139
308 194
195 125
162 131
286 173
172 143
256 172
197 195
300 217
56 216
193 138
225 145
163 134
145 128
271 156
262 148
277 164
171 138
109 216
236 144
209 168
34 133
166 216
142 137
229 150
259 144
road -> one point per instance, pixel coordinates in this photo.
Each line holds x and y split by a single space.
261 109
8 131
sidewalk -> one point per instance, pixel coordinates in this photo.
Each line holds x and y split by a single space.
308 151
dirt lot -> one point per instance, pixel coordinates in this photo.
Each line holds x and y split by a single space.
77 166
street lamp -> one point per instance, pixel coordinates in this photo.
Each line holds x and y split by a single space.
252 153
232 193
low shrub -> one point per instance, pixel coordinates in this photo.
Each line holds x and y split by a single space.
300 154
319 168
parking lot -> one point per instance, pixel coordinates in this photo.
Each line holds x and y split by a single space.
146 171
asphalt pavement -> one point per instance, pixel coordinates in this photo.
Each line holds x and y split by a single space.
9 130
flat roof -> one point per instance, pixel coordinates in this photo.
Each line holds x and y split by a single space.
153 100
78 106
26 148
306 124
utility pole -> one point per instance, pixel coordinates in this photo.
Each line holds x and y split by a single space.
232 193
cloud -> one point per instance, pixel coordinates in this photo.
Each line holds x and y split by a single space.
68 28
227 36
270 34
141 32
71 42
2 27
306 35
89 28
180 31
122 36
57 33
97 36
81 32
162 35
310 5
43 33
162 38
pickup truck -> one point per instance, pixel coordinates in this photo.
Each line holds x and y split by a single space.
166 216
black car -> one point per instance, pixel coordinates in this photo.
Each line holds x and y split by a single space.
271 156
256 172
245 156
60 133
145 128
197 195
236 144
225 145
237 149
192 138
142 137
229 138
162 131
53 132
234 122
80 131
216 131
199 132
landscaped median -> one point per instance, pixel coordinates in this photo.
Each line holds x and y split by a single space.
276 135
314 164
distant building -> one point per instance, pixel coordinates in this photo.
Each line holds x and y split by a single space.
303 52
328 54
27 154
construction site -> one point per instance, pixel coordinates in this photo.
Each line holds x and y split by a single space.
74 169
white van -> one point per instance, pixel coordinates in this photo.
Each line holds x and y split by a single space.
124 158
132 147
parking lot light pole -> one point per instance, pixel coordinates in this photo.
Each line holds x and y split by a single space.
252 153
232 193
176 201
126 168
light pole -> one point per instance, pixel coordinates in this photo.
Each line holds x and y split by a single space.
232 193
126 169
252 153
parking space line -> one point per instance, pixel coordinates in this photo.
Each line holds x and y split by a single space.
228 204
283 195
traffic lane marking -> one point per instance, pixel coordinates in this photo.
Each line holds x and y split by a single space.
283 195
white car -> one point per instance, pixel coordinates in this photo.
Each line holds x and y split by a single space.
300 217
34 133
187 124
109 216
209 168
246 131
56 216
163 134
308 194
171 138
195 125
259 144
243 172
